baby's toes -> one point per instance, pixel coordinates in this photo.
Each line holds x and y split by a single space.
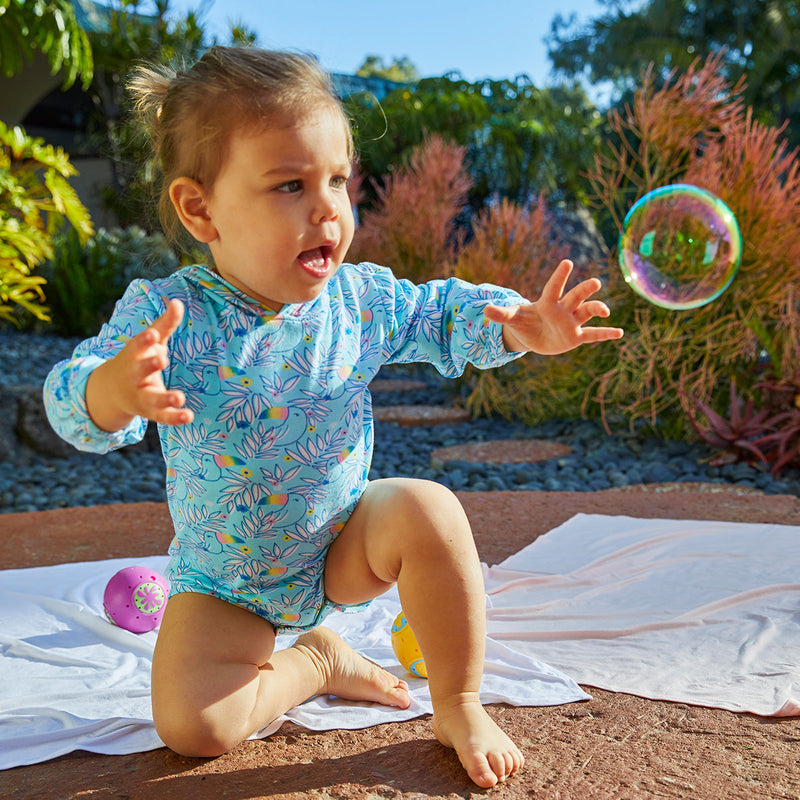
481 770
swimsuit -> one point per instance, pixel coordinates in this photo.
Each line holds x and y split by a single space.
278 454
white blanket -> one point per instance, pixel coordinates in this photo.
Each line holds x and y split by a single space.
706 613
69 680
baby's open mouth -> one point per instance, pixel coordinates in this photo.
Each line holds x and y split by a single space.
317 262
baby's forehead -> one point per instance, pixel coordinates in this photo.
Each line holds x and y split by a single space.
294 116
314 141
291 127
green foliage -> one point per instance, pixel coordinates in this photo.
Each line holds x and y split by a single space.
85 279
519 140
130 40
401 70
49 27
759 39
35 201
535 388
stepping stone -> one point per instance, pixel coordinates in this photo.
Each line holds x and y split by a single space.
682 487
502 451
421 415
396 385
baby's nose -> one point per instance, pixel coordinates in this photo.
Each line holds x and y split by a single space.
325 208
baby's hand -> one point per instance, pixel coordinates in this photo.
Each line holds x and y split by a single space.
555 322
130 384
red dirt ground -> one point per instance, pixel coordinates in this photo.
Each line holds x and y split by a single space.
614 746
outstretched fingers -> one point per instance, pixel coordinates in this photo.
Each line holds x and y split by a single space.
580 294
150 355
168 408
589 310
553 290
592 334
583 309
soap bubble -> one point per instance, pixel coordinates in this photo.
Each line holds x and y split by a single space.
680 247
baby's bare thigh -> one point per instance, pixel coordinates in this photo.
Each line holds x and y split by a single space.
205 676
201 635
210 627
395 517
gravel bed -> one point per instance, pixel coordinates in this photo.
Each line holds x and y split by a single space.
30 482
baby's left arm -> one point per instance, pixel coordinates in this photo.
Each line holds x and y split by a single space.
555 322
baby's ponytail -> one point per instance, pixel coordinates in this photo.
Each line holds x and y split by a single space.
148 87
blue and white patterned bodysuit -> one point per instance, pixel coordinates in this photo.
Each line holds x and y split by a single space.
278 454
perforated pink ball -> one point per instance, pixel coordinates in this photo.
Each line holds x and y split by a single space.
135 599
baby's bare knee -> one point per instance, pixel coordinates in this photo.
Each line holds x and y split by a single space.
424 507
193 737
195 732
433 499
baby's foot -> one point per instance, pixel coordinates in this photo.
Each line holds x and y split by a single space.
487 754
348 675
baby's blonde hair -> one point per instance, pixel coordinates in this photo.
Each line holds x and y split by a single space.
192 113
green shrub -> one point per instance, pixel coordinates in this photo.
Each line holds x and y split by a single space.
84 281
36 200
49 27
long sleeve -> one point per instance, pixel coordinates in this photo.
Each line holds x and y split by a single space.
441 322
64 391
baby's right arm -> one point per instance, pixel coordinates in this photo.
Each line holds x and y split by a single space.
130 384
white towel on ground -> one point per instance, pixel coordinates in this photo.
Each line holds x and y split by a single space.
70 680
705 613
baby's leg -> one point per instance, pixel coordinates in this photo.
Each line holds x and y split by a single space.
416 534
216 679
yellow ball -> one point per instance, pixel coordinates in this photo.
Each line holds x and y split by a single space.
405 647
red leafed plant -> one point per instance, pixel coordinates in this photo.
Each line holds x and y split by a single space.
511 246
770 433
411 226
783 444
739 435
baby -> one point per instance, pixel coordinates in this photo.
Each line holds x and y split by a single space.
256 369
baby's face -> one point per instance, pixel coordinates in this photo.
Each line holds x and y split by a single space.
281 211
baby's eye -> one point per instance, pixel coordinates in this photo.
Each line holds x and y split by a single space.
290 187
339 182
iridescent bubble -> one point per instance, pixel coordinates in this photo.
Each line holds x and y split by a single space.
680 247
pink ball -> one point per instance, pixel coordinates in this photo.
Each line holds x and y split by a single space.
135 599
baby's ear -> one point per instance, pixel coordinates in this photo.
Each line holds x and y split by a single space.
191 205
